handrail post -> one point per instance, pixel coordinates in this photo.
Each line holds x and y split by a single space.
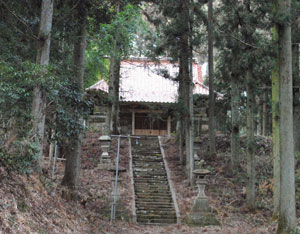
113 206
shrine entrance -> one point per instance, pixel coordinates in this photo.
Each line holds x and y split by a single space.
145 124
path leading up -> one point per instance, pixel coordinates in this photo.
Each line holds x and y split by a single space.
153 199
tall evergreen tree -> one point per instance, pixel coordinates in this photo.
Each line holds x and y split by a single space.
287 212
251 178
276 123
42 58
176 41
296 73
212 121
72 168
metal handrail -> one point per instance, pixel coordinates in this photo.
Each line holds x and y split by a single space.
113 206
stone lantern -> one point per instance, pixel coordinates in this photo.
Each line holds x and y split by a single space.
201 212
105 142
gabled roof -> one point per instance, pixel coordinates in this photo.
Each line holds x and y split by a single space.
145 81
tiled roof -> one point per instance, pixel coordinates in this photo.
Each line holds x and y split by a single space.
145 81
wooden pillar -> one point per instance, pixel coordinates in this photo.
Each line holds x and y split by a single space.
133 123
169 125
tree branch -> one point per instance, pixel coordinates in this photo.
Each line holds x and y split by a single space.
19 19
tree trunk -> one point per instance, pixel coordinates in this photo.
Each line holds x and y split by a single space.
115 64
181 146
187 97
275 126
260 116
191 88
114 83
251 177
181 134
296 84
287 210
265 113
39 94
235 120
191 120
212 123
73 149
184 66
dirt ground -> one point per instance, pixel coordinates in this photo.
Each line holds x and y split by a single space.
34 203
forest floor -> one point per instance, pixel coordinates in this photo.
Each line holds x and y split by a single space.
34 204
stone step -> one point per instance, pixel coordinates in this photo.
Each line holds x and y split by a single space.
148 161
161 198
153 207
153 203
146 170
151 181
154 222
139 161
152 189
157 215
164 200
150 174
151 177
165 213
145 183
146 154
153 173
149 171
150 220
155 187
158 184
154 200
143 170
147 157
149 165
152 193
167 208
141 153
136 156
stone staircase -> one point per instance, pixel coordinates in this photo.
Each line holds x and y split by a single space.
153 198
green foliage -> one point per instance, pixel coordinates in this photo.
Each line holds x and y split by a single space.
68 106
244 44
97 67
123 28
21 156
66 109
16 86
